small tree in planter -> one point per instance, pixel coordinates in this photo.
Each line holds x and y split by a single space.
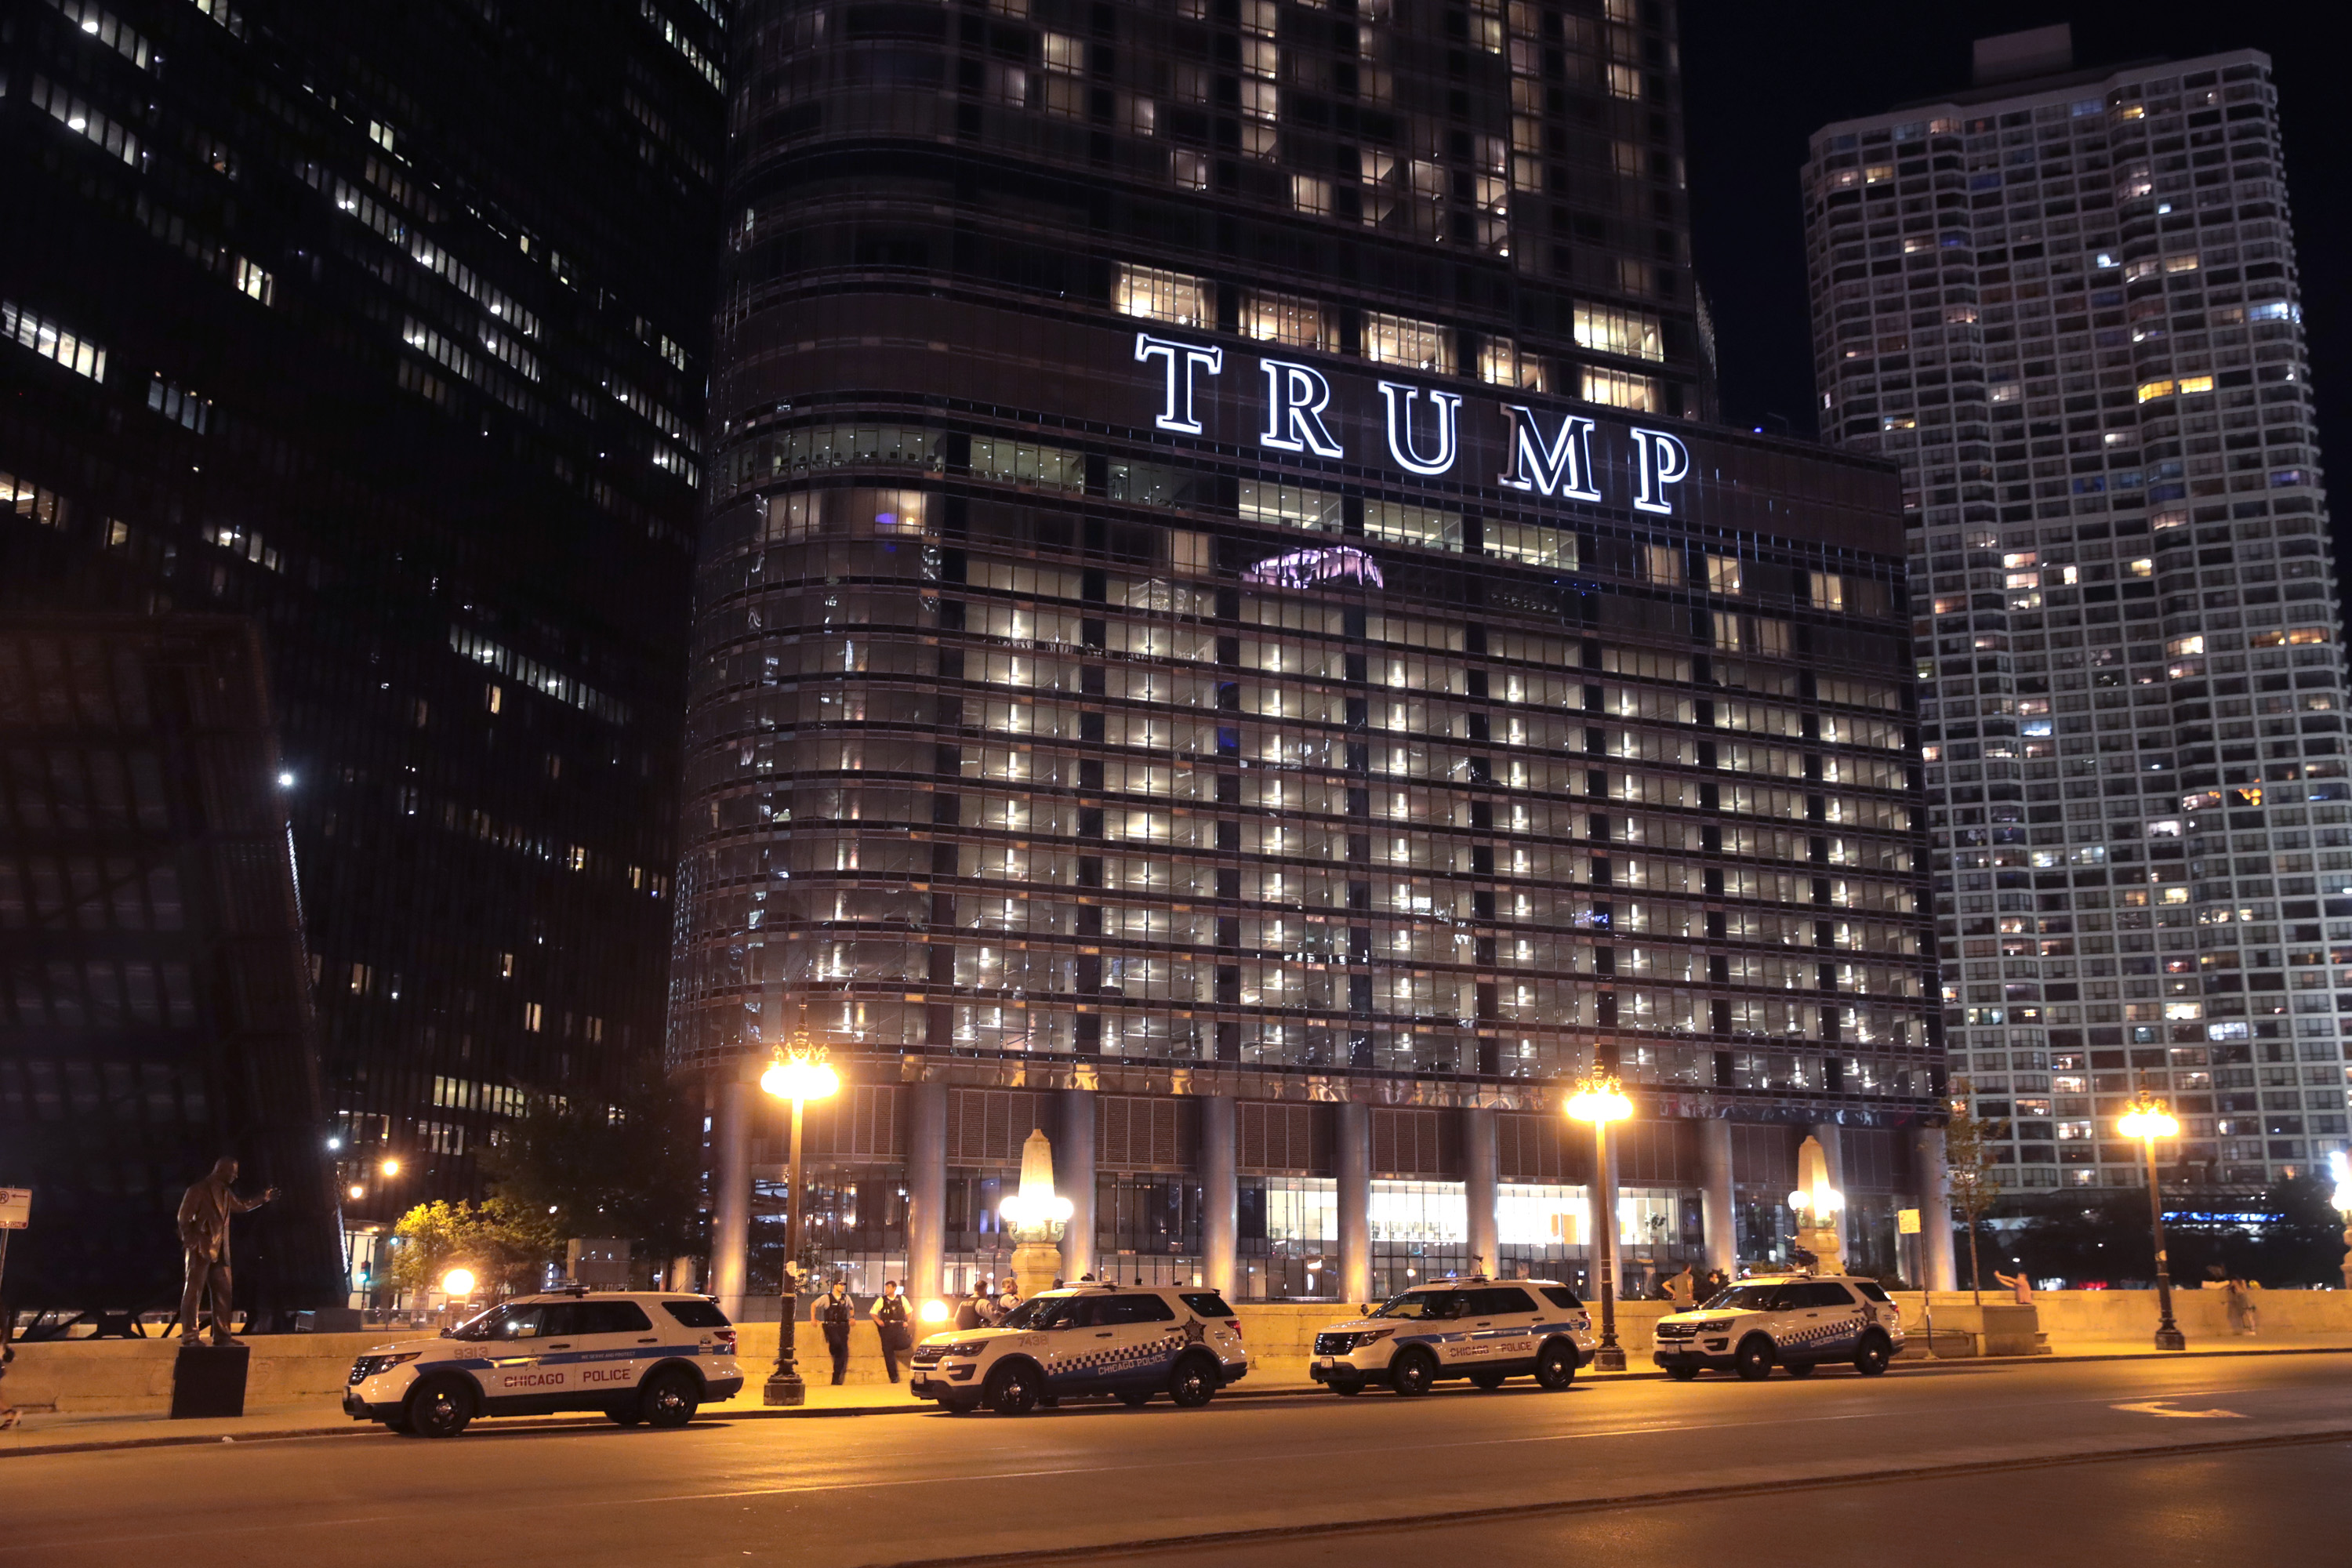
1970 1172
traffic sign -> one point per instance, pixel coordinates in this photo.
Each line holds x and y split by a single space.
1906 1222
16 1208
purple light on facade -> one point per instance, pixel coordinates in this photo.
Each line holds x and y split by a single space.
1309 568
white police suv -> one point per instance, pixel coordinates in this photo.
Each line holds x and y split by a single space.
1484 1329
636 1356
1130 1341
1796 1322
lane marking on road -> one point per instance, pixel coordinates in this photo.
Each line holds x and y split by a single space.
2156 1407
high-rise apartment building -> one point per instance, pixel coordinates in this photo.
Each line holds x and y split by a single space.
1219 637
2067 302
380 325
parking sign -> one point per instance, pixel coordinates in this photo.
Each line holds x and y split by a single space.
16 1208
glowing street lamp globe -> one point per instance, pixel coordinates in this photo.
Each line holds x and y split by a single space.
457 1282
1599 1099
2147 1118
801 1076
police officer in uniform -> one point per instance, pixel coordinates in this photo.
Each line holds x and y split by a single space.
833 1311
891 1319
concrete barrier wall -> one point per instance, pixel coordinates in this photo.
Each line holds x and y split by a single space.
98 1377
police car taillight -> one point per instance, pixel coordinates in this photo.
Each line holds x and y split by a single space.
726 1337
1235 1324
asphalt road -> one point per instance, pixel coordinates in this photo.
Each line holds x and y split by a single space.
2235 1461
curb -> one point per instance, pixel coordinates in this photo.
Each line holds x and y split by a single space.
593 1423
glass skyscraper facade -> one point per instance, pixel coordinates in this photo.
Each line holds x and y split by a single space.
380 326
1220 636
2067 302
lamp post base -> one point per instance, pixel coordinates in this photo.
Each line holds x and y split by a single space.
2171 1338
784 1388
1609 1358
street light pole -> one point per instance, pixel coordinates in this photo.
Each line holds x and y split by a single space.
2147 1119
1610 1356
1597 1099
800 1078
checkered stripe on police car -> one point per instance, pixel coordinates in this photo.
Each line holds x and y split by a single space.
1816 1334
1122 1356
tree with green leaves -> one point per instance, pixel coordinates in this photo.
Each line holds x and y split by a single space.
1970 1173
506 1246
631 1168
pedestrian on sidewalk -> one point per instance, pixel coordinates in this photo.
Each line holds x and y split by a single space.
833 1311
2020 1283
8 1414
1682 1290
2236 1298
890 1321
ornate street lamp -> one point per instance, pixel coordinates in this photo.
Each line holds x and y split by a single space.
1818 1205
800 1076
2148 1119
1597 1098
1036 1215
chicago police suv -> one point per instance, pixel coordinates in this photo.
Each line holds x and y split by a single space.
1797 1322
1484 1329
636 1356
1130 1341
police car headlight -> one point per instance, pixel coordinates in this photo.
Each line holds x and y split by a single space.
971 1347
374 1367
1716 1326
1373 1337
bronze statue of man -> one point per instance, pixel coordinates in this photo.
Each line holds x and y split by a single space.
204 1214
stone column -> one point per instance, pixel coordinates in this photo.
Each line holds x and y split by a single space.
1074 1178
731 1191
927 1194
1481 1187
1351 1164
1715 1196
1932 1184
1220 1195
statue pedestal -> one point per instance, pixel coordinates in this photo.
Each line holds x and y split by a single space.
1823 1243
1035 1265
208 1383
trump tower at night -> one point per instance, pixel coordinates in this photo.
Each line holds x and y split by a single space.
1223 634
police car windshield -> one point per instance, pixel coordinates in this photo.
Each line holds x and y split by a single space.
1421 1304
508 1322
1042 1312
1745 1299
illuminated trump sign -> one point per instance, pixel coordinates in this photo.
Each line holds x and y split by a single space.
1421 427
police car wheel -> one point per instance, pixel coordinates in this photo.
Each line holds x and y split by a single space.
1489 1381
1413 1372
1556 1366
1753 1360
1012 1390
1135 1399
1799 1368
1871 1358
1682 1374
624 1414
669 1400
440 1407
1193 1383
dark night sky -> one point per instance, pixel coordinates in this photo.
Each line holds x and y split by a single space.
1760 78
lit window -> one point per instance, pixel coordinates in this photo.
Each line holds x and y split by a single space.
1400 339
1285 319
52 341
1723 576
2151 390
1620 390
1606 328
2190 383
1500 363
1310 194
1290 506
1161 296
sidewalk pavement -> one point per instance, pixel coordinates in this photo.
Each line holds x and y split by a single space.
47 1432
